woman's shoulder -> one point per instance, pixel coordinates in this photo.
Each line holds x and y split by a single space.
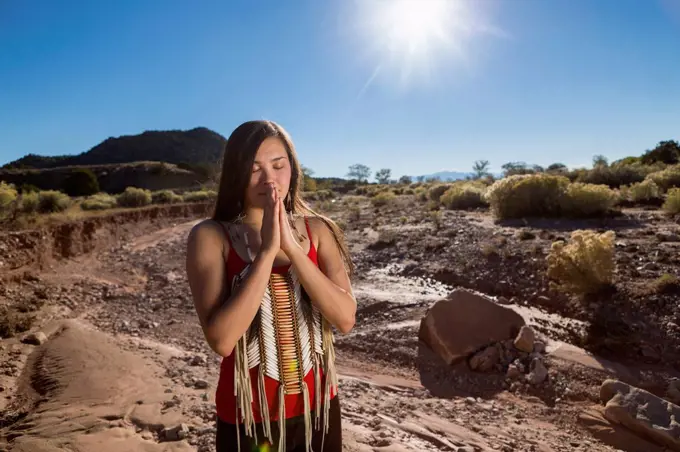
207 233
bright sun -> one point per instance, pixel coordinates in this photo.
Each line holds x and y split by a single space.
409 37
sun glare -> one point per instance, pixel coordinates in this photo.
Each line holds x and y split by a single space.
409 38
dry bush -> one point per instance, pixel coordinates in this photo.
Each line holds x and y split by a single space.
353 213
435 193
464 196
165 197
585 265
383 198
51 201
200 196
8 194
12 322
526 195
134 197
666 284
645 191
100 201
667 178
672 203
616 174
29 202
587 200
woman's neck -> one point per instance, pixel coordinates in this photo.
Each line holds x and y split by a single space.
253 218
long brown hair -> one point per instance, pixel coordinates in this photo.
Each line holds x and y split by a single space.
237 162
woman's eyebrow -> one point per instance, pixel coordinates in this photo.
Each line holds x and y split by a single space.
275 159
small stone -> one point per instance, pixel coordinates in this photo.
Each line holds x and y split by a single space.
176 433
537 372
198 360
201 384
513 372
539 347
525 339
37 338
470 400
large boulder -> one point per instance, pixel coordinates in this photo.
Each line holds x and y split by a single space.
465 322
643 412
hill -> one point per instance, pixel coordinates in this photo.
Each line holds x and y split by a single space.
196 146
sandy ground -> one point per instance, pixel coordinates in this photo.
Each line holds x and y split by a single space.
126 367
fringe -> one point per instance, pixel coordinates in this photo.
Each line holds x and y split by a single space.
308 417
264 406
245 394
282 419
331 376
317 393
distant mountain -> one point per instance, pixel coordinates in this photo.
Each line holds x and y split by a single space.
445 176
196 146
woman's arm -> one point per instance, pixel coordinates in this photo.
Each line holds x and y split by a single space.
225 322
327 285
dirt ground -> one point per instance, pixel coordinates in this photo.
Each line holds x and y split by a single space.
126 366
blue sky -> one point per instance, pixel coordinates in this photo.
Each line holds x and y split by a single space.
538 81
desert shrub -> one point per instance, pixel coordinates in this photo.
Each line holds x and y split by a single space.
623 194
323 195
463 196
645 191
8 194
409 191
309 183
81 182
383 198
667 178
421 193
100 201
586 200
134 197
583 266
672 203
28 188
13 322
50 201
526 195
200 196
666 284
435 193
165 197
29 202
614 175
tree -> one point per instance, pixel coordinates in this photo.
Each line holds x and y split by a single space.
480 168
359 172
557 168
308 182
666 151
406 180
383 176
514 168
600 160
81 182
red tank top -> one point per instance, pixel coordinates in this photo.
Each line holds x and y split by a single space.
225 400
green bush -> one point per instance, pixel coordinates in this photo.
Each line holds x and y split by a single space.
29 202
81 182
165 197
383 198
645 191
667 178
51 201
199 196
435 193
463 196
672 203
526 195
8 194
134 197
100 201
587 200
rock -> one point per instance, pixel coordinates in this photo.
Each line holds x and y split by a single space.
37 338
668 237
513 372
176 433
465 449
614 435
486 360
673 391
539 347
201 384
525 339
465 322
537 372
198 360
642 412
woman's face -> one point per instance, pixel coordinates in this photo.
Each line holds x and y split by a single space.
271 166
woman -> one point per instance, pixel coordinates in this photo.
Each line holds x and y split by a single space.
269 279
